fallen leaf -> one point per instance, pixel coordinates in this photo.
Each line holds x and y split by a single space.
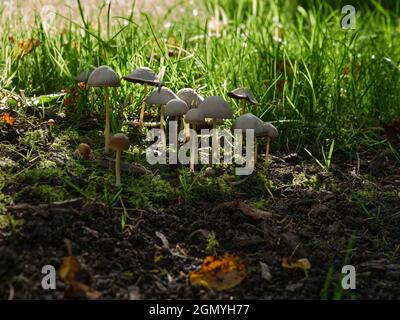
248 210
8 119
25 47
68 271
219 273
303 263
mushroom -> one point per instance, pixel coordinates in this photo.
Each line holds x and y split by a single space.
191 97
84 75
161 97
84 150
194 117
144 76
245 95
118 142
216 108
250 121
105 77
176 108
270 132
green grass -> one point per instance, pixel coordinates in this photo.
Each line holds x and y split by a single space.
316 103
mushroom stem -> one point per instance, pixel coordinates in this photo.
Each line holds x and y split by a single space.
118 169
143 105
107 130
244 106
267 150
192 157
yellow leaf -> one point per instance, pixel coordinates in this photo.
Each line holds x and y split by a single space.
303 264
219 273
25 47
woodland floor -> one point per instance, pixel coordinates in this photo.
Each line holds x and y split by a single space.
349 216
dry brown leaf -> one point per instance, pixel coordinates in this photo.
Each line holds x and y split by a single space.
25 47
303 263
68 271
248 211
8 119
219 273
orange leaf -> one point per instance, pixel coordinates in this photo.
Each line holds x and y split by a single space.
25 47
82 291
8 119
70 266
82 85
303 264
219 273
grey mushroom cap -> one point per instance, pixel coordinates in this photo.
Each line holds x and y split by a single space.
161 97
104 76
270 131
176 107
119 142
195 116
243 93
249 121
191 97
84 75
142 75
216 108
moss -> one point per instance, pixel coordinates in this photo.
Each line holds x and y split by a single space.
42 193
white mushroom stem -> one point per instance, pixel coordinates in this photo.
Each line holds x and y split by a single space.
267 150
107 131
118 169
192 150
142 110
244 106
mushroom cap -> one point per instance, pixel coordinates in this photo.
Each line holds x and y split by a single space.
104 76
84 75
195 116
119 142
191 97
216 108
269 131
161 97
176 107
84 150
142 75
243 93
249 121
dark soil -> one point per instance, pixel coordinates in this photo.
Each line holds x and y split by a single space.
350 216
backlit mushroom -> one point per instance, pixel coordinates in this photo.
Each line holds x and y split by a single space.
144 76
191 97
105 77
176 108
118 142
270 132
245 95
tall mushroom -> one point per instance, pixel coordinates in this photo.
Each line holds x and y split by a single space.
194 117
270 132
118 142
216 108
191 97
245 95
250 121
161 97
105 77
144 76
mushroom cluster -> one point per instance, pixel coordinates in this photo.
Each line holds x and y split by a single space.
187 107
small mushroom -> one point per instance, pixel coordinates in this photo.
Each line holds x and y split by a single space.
84 75
105 77
118 142
270 132
245 95
176 108
194 117
146 77
161 97
191 97
216 108
84 150
250 121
